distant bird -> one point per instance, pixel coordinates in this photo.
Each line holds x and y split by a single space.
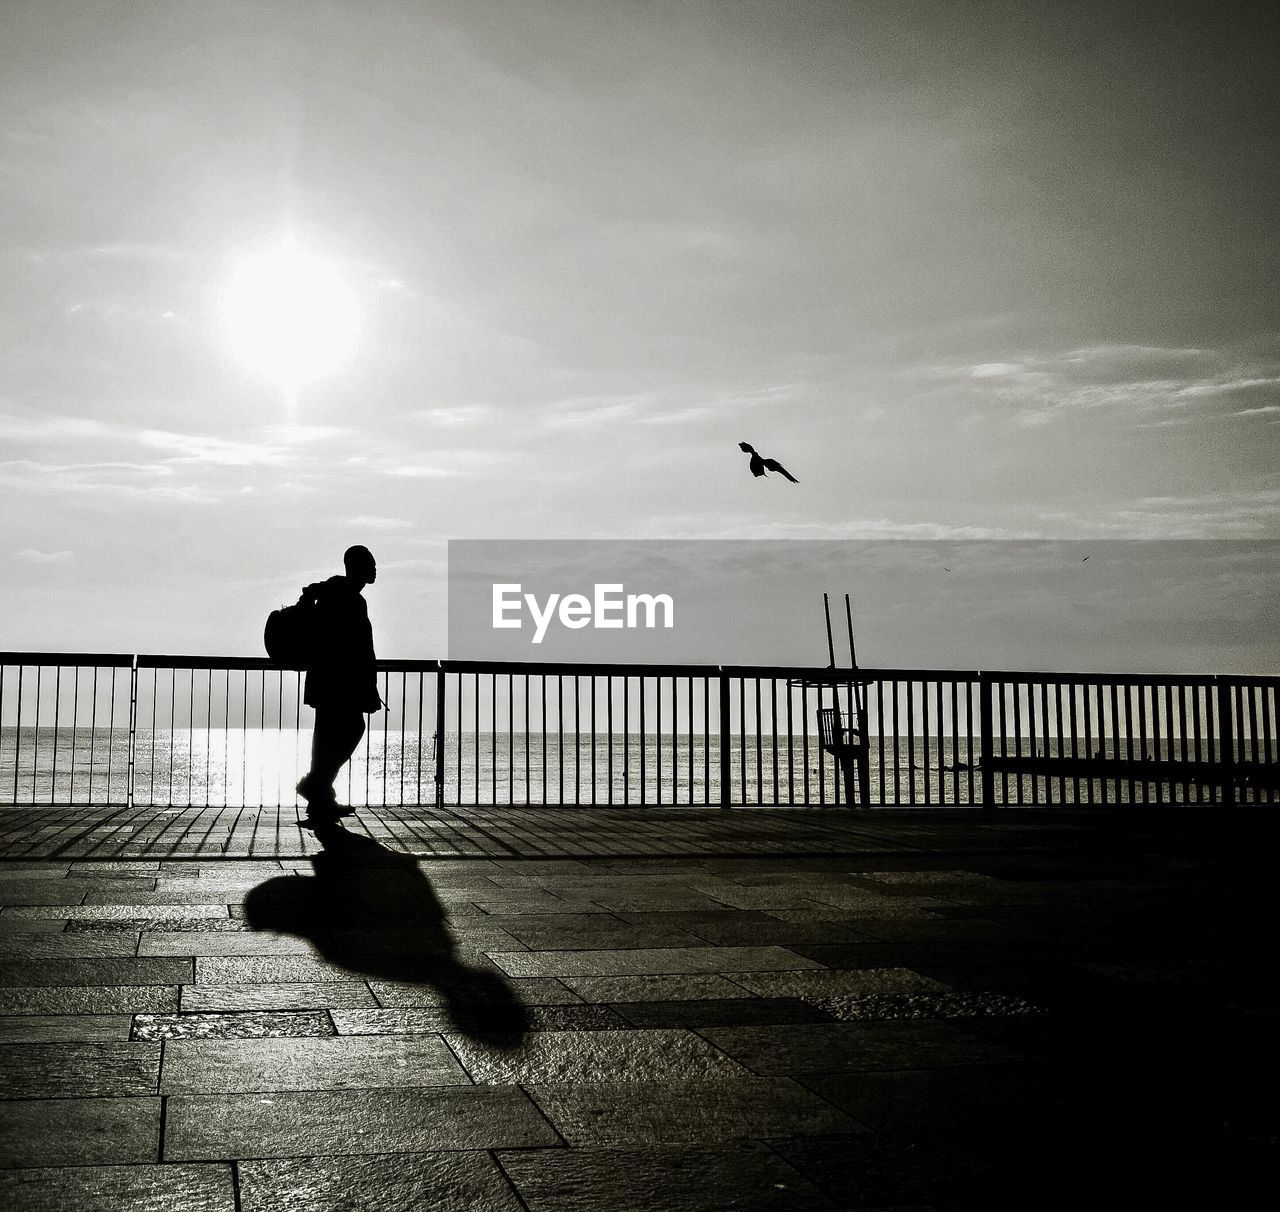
945 568
759 465
1082 561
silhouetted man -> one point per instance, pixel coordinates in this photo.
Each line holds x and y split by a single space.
342 683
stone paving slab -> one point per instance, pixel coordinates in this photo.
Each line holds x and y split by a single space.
138 1188
686 1112
91 972
534 991
345 1122
658 988
225 1066
79 1131
247 1024
649 960
76 1070
549 1056
435 1019
403 1182
64 1028
291 996
87 999
725 1012
68 946
750 1178
841 1047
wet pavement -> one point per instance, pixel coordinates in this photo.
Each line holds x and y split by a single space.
813 1010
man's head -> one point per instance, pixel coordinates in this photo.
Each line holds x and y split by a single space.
360 565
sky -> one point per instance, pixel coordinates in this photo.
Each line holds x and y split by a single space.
972 271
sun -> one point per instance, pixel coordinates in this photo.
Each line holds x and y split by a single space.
289 316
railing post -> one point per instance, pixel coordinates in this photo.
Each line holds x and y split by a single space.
987 714
439 737
726 751
1226 743
133 725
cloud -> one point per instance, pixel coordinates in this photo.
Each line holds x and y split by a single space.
452 417
373 522
1227 514
223 452
29 555
669 407
1151 385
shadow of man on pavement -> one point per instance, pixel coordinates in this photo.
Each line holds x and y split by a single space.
371 911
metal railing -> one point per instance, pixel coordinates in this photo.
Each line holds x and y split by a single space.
180 731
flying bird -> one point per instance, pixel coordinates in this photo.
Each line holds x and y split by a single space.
1082 561
759 465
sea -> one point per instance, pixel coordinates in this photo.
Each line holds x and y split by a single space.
181 767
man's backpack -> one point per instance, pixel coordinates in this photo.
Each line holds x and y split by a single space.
291 633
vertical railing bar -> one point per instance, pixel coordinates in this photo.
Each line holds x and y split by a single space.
626 740
608 709
822 753
804 718
35 753
542 723
725 751
759 750
577 741
493 737
773 730
897 755
404 719
924 739
1111 786
1004 739
657 736
111 732
707 740
594 794
1044 729
191 736
927 725
75 717
1129 739
417 778
691 778
130 789
1017 737
968 740
791 743
880 736
911 742
93 729
17 736
511 739
1088 742
1198 739
1142 738
644 748
226 735
955 742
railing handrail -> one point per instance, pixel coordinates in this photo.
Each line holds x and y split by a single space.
830 674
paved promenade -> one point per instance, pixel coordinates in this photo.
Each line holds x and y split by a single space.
616 1010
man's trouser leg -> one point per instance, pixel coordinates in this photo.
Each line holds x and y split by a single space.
337 733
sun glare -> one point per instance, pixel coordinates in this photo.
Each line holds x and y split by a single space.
289 316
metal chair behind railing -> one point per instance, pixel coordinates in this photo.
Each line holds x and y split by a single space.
843 739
